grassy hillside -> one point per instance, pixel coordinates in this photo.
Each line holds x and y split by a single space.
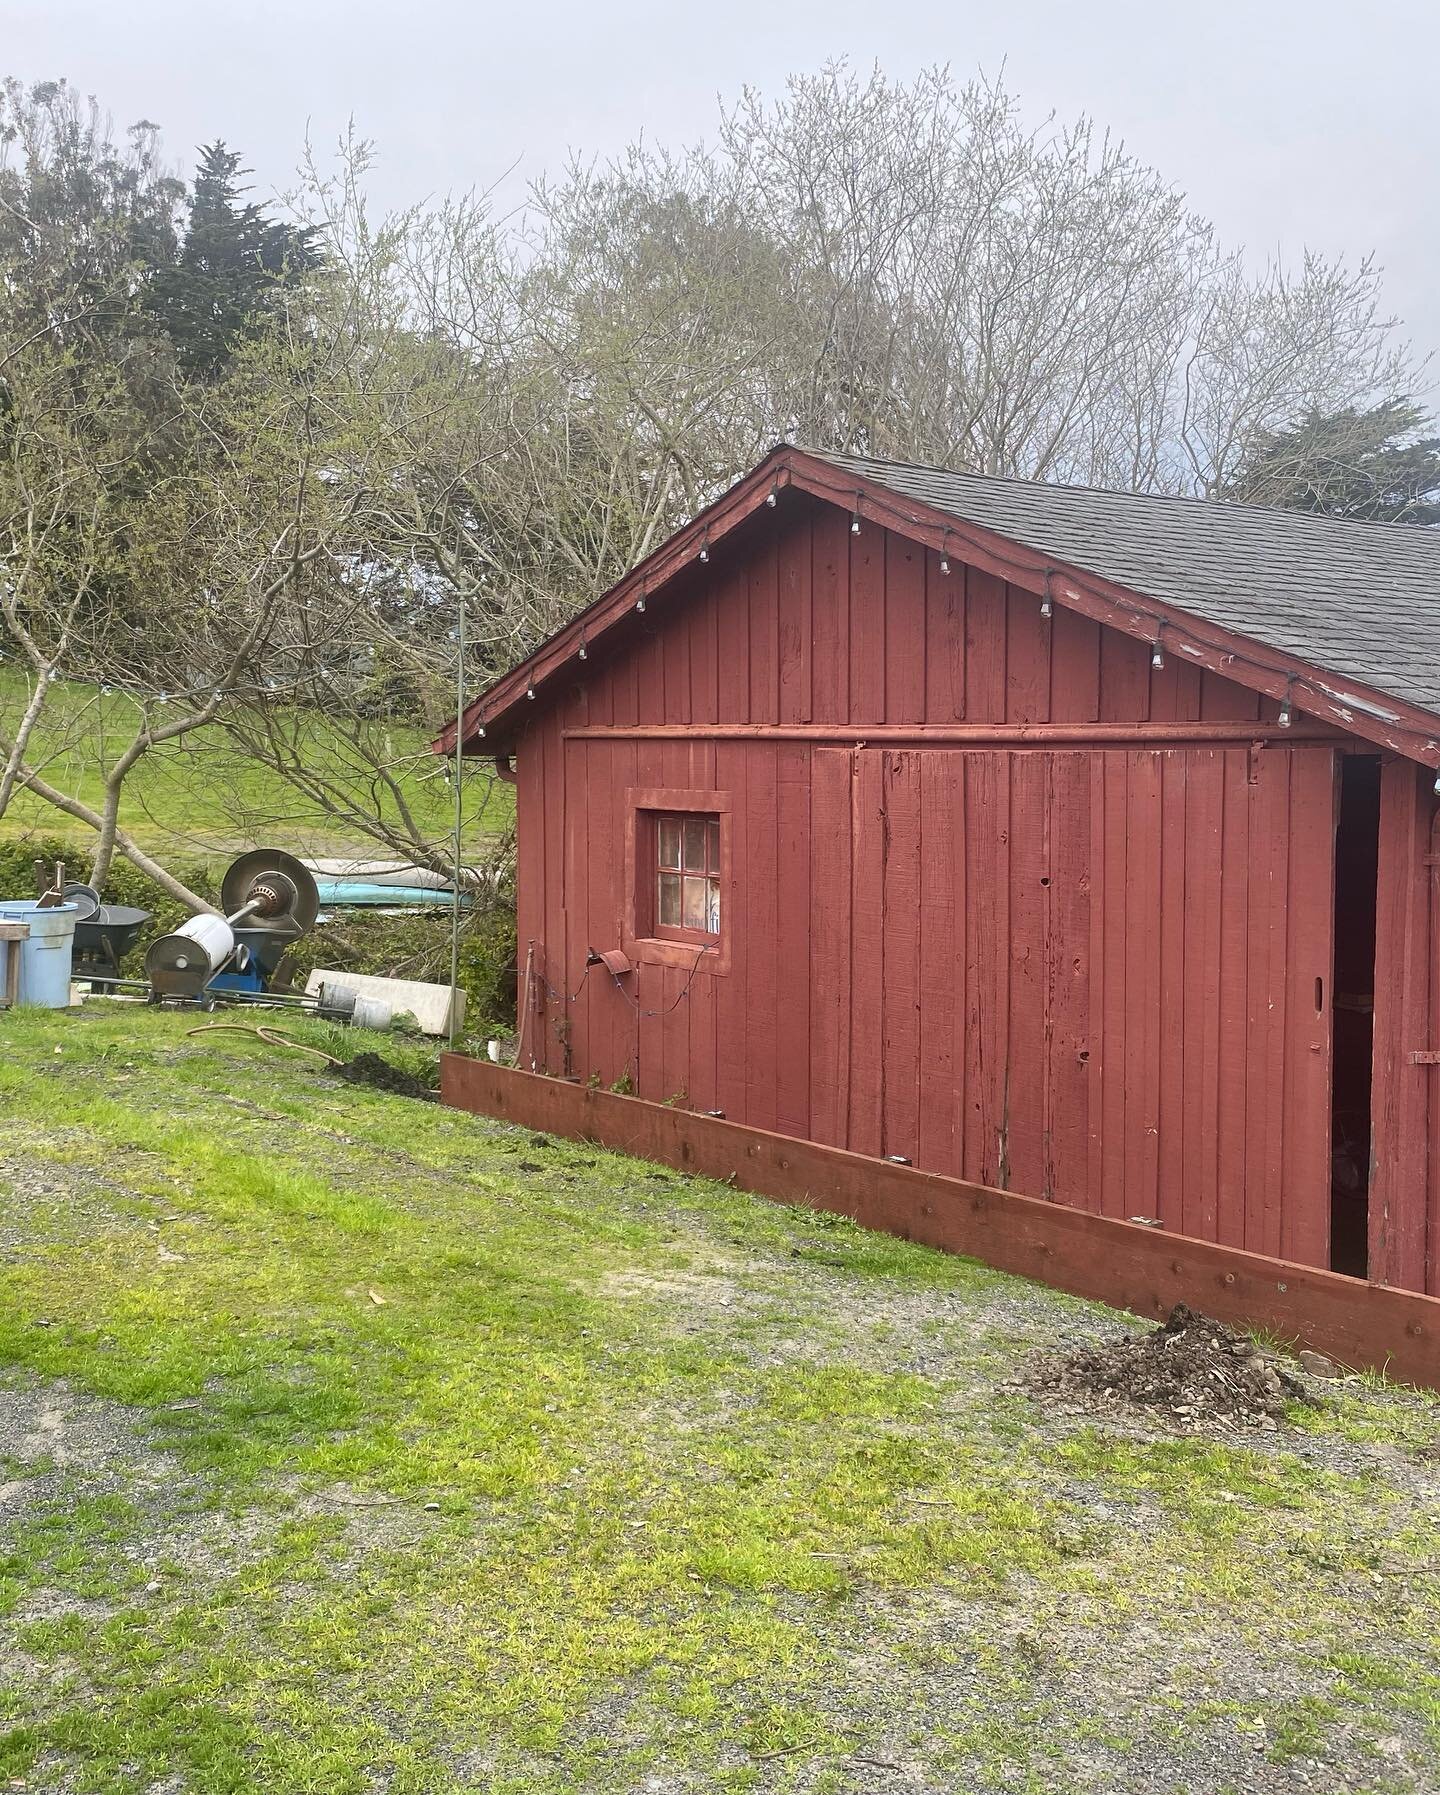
202 798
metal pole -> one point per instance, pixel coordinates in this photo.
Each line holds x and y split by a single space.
459 820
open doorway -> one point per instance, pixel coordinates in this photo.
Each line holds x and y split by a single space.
1357 860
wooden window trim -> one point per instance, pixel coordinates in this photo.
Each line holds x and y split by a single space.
685 949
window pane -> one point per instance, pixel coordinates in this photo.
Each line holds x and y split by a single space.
695 844
697 904
670 900
713 832
713 903
670 841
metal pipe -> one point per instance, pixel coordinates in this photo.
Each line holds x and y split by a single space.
459 820
280 999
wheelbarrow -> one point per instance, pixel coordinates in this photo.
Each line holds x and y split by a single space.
104 934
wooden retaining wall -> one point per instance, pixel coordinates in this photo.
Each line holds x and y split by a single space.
1146 1270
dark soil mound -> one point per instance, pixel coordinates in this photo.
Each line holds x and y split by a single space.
1195 1372
370 1069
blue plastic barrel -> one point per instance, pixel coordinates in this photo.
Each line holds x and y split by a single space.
45 957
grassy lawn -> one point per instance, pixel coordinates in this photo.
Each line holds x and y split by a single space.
350 1444
200 797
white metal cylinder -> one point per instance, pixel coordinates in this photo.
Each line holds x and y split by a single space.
213 937
373 1012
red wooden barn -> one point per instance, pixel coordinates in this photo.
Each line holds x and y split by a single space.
1077 843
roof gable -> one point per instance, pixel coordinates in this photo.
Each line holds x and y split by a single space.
1246 593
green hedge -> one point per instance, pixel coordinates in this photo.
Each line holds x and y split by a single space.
355 941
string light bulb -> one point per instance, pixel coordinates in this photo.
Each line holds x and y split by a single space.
855 517
1287 709
705 546
773 494
640 602
529 691
945 553
1047 609
584 651
1157 652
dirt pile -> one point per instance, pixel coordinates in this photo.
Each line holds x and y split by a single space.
370 1069
1191 1372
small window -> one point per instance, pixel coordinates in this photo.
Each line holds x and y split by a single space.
687 876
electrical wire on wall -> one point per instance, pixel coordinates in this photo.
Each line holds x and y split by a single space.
567 999
683 993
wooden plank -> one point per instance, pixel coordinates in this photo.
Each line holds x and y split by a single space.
985 638
575 1014
1142 1269
1268 898
1310 949
867 626
792 923
904 630
830 617
732 648
1232 1092
704 670
794 571
830 880
1402 1098
1100 1068
529 881
1170 1162
987 954
944 640
1222 699
1038 736
1027 659
1028 895
763 584
1068 940
943 973
1145 1040
1114 1015
1074 667
731 1013
1124 679
1203 847
868 831
758 916
902 990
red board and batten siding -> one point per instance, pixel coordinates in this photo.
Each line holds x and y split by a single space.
1090 969
1404 1205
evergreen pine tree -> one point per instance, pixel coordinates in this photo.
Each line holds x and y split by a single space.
229 266
1371 464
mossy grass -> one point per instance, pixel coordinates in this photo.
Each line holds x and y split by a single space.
466 1458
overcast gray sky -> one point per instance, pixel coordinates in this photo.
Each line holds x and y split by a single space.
1288 122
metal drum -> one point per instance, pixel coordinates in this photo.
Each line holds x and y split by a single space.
182 964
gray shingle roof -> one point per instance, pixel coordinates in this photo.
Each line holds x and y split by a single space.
1361 600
